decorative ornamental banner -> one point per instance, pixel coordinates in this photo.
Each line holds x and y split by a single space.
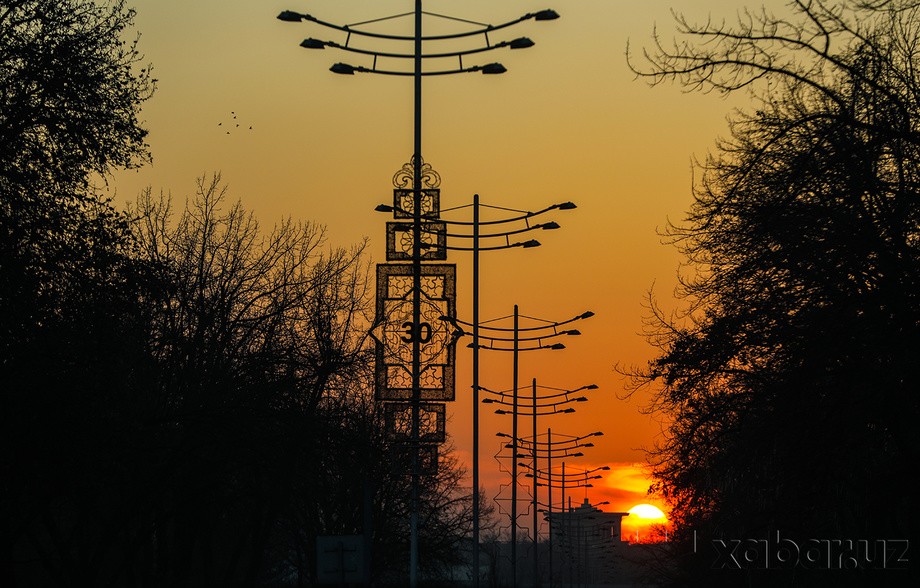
432 425
404 204
402 455
400 241
396 332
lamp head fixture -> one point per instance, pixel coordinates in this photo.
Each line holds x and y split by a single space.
290 16
521 43
343 68
493 68
313 44
548 14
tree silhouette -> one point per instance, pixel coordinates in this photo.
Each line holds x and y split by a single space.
259 340
206 416
69 350
789 385
184 400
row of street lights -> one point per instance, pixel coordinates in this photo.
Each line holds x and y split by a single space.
554 402
426 233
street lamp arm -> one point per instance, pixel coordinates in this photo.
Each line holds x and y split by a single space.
571 439
527 339
490 348
514 44
528 215
585 315
545 226
344 68
291 16
561 455
524 244
528 445
563 486
522 413
525 216
531 405
510 393
583 475
542 475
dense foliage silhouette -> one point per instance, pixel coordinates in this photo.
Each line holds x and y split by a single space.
789 382
184 397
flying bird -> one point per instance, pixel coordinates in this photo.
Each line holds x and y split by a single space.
232 123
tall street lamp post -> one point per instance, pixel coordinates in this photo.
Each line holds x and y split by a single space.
554 403
435 237
567 447
537 337
564 480
416 329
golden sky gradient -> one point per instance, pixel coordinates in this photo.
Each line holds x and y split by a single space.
568 121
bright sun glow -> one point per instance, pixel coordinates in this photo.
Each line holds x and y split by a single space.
646 511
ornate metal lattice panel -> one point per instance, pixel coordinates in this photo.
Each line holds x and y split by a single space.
405 177
404 204
432 422
427 459
400 241
396 332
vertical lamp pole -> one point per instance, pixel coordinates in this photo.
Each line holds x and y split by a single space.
549 500
514 452
476 391
415 326
547 331
536 522
556 405
475 325
416 295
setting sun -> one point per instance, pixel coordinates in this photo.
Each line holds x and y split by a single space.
645 524
646 511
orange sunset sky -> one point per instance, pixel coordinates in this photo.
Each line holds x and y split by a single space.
568 121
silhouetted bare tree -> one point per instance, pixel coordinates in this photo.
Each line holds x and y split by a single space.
266 379
790 384
259 338
69 98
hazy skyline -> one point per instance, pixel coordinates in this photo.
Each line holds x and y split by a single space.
568 121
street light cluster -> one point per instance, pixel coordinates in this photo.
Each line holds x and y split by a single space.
485 30
532 448
422 235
